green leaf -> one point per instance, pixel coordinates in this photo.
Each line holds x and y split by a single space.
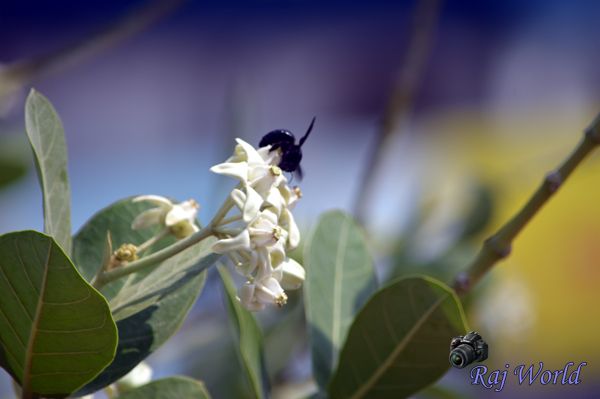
168 388
284 335
248 336
10 171
400 340
47 138
56 331
150 306
340 278
15 153
439 391
13 164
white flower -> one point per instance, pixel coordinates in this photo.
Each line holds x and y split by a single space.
290 195
140 375
254 168
263 231
178 218
255 295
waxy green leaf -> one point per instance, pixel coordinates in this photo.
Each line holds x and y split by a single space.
149 306
14 156
399 342
47 138
168 388
340 278
248 336
56 331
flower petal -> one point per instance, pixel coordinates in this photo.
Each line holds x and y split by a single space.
275 199
248 265
185 211
252 155
238 170
288 223
252 205
241 241
277 253
155 199
239 155
293 274
290 195
148 218
254 306
246 293
264 264
270 292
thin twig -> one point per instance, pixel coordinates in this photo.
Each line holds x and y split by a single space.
400 104
498 246
139 19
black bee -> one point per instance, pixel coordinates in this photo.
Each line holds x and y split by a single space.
291 154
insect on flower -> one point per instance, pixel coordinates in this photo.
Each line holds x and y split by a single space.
291 154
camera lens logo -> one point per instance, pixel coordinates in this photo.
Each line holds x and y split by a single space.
467 349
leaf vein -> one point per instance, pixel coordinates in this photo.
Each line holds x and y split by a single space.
14 292
368 385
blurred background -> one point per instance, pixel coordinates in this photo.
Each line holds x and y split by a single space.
435 121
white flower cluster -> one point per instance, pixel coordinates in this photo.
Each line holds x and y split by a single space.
268 231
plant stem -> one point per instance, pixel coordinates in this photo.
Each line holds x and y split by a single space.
223 211
400 104
231 219
22 72
232 232
153 259
157 257
144 246
498 246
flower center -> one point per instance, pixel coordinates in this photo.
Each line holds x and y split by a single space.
275 170
281 300
277 233
297 191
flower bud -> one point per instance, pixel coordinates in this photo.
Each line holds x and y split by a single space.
292 275
126 253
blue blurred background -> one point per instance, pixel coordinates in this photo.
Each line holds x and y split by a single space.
501 94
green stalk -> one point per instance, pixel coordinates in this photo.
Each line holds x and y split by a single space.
158 257
498 246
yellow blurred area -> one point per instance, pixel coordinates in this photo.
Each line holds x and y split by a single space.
543 302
